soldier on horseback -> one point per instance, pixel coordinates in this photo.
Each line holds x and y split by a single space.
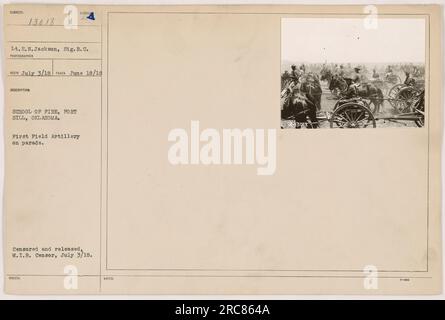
341 71
357 77
389 72
416 72
356 90
294 73
284 77
302 69
352 90
289 79
409 81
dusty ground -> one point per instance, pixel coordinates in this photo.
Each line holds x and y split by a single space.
327 104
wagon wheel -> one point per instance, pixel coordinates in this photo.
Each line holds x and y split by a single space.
419 109
371 106
420 122
352 115
404 99
419 84
392 93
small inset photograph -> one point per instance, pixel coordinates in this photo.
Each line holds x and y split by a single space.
349 73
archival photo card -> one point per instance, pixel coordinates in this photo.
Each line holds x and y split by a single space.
145 150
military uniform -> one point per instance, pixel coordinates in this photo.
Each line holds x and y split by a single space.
352 91
357 77
409 81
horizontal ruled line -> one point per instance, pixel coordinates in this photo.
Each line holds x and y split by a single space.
32 41
49 25
49 76
94 59
216 276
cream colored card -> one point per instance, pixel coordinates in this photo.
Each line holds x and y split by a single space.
222 149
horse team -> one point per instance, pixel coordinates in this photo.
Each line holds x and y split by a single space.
301 92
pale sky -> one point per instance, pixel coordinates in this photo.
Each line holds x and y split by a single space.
346 40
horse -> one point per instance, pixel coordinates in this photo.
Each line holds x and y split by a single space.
310 85
364 90
284 79
298 107
392 78
338 83
326 75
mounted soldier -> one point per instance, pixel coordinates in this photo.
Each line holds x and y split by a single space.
336 69
310 85
341 71
302 69
352 90
357 77
416 72
409 81
294 73
389 72
284 77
